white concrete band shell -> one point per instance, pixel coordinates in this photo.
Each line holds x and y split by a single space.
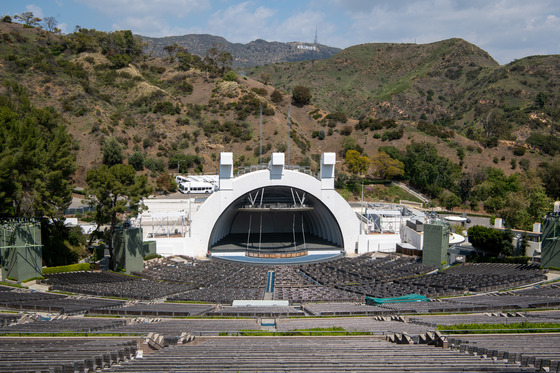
276 201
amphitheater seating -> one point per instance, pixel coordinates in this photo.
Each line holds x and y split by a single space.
500 301
308 354
315 294
339 309
257 312
8 319
63 354
487 318
342 280
538 351
65 325
20 299
351 324
113 285
156 309
220 294
551 290
173 328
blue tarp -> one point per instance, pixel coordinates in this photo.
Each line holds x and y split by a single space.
404 298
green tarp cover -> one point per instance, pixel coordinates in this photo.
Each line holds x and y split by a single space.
404 298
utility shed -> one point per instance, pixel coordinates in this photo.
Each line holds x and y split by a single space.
20 249
436 243
130 250
550 246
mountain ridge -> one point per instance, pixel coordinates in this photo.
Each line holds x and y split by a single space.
254 53
158 110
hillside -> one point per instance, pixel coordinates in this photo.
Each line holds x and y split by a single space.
150 106
451 83
447 111
255 53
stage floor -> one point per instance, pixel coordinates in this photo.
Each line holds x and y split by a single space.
234 247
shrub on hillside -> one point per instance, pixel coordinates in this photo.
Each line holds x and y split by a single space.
301 95
276 96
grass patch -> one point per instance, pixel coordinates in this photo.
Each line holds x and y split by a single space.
34 278
487 328
68 268
12 285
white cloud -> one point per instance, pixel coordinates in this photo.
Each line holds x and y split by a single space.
242 22
63 27
135 8
152 26
498 26
302 26
37 11
154 18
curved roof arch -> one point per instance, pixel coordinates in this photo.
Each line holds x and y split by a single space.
333 214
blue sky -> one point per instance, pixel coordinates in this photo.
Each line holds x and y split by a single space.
507 29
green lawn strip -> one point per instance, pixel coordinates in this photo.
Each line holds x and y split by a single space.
68 268
10 284
514 327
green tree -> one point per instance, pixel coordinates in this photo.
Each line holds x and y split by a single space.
114 191
386 167
136 160
166 183
230 76
541 100
549 172
28 19
184 161
514 211
36 158
217 59
301 95
349 143
490 240
494 126
539 203
450 200
171 49
356 163
112 152
429 171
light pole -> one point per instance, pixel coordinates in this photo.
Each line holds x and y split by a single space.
362 209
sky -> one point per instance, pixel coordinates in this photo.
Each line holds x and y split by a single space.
506 29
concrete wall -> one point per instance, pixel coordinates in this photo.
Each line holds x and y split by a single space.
413 237
385 243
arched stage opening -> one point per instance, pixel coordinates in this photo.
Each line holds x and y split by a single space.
276 222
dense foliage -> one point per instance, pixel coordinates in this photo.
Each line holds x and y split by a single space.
491 241
301 95
36 158
115 191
